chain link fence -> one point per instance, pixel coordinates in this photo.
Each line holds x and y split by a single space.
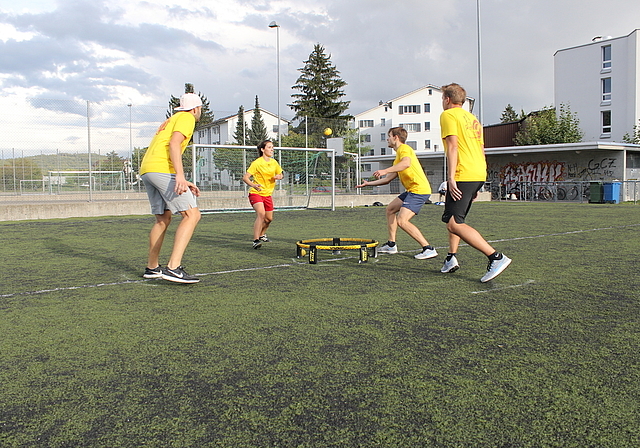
71 149
568 191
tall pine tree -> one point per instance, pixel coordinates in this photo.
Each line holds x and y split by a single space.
321 93
241 134
509 115
258 131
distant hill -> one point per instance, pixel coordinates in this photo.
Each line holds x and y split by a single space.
65 161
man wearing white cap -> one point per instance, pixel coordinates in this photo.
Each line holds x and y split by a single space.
168 190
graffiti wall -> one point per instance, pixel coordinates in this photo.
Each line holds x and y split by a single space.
593 168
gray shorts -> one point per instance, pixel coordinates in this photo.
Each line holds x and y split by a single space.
162 195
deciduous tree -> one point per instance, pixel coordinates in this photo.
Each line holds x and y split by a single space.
548 126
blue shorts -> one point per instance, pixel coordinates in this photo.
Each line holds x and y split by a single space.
162 196
412 201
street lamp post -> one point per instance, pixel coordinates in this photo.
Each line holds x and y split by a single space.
277 27
480 105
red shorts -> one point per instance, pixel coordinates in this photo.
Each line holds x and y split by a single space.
266 200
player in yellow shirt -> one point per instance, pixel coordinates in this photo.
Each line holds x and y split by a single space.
466 174
168 190
399 212
261 177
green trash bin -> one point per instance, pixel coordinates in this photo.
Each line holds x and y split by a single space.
596 195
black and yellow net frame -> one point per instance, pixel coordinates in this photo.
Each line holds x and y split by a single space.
366 247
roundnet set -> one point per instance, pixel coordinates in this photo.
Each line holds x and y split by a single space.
366 247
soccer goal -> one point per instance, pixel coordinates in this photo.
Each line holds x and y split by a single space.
79 181
218 171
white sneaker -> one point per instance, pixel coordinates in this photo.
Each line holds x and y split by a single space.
495 268
450 266
386 249
425 254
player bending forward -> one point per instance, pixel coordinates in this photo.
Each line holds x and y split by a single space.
466 174
408 204
168 190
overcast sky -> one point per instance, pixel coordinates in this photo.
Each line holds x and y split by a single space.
141 52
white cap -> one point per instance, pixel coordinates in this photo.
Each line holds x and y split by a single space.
189 101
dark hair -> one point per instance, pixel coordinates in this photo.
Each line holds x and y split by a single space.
263 145
399 132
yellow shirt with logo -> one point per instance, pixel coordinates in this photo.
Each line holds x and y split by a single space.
263 172
156 159
472 164
413 178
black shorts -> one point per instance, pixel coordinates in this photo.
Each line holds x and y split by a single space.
459 209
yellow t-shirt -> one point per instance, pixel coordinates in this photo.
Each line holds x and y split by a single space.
156 159
263 173
472 164
413 178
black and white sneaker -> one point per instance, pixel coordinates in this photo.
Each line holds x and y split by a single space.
257 244
178 275
264 239
153 273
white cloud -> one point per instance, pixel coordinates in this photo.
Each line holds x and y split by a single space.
146 50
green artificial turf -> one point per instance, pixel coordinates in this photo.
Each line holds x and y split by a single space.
271 351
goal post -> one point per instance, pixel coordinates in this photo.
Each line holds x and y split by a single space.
78 181
218 171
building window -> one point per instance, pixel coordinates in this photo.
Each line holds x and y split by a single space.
372 153
383 122
365 123
430 91
427 144
413 109
411 127
606 122
427 108
383 151
365 167
606 89
606 56
216 130
365 138
275 129
427 126
383 137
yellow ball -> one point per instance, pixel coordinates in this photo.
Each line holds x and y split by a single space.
328 131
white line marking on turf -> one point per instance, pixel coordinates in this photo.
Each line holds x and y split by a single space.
528 282
71 288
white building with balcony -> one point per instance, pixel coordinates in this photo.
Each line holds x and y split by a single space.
418 112
600 81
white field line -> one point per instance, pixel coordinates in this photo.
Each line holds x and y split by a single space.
231 271
528 282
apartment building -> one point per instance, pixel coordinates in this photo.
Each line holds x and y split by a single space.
600 81
418 112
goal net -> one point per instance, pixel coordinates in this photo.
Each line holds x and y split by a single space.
218 171
79 181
